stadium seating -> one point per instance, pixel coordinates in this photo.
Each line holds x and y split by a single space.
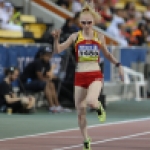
10 34
7 36
17 41
28 19
37 29
32 31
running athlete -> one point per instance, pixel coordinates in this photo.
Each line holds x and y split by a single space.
88 77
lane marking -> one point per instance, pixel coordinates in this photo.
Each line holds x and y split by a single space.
142 139
106 140
74 129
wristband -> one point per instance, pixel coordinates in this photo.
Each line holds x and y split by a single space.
118 64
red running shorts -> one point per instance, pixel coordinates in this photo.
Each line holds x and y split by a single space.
84 79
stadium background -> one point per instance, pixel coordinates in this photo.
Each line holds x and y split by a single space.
39 18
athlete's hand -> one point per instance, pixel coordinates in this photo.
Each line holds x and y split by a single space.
56 34
121 73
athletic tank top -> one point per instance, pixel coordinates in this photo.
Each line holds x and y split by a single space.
87 50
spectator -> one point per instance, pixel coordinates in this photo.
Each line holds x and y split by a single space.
148 31
116 27
6 14
131 23
37 76
76 6
106 13
140 34
130 9
111 4
63 3
9 9
144 2
1 4
15 19
1 10
68 27
147 13
121 34
118 16
8 99
76 22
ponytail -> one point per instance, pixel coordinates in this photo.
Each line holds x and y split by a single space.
89 8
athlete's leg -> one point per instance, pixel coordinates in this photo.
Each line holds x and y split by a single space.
93 94
80 103
92 99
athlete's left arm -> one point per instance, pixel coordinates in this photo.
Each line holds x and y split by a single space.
105 51
109 56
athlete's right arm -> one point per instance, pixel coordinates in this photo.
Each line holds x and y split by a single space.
61 47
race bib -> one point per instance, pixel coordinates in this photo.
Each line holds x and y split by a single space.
88 52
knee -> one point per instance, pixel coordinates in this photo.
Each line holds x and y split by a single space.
81 111
91 104
81 117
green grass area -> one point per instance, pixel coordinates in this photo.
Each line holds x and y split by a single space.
42 121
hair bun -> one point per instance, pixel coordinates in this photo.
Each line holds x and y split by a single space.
90 7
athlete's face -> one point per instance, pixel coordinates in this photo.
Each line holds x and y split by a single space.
86 21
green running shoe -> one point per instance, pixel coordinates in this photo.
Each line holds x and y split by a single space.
101 113
87 144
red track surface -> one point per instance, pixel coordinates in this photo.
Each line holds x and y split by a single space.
133 135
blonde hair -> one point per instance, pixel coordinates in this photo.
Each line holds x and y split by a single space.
90 8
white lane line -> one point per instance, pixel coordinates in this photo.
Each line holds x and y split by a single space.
140 139
106 140
74 129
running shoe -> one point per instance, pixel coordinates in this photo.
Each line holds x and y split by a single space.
59 109
87 144
101 113
52 109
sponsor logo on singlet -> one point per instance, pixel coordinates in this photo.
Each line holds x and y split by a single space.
88 52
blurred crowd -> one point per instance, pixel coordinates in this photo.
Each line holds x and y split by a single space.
9 18
39 77
129 25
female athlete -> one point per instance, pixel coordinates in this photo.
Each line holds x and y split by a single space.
88 77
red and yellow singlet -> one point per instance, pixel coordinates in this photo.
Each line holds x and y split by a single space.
87 53
87 50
